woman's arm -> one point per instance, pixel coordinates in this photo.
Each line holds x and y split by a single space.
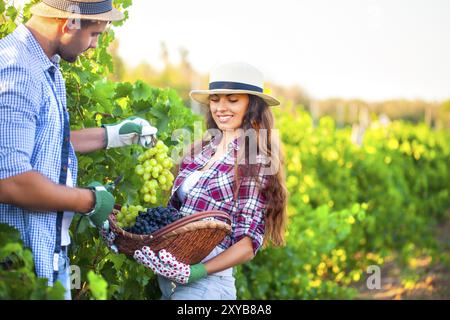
239 253
88 140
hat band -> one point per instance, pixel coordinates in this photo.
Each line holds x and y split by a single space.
233 86
80 7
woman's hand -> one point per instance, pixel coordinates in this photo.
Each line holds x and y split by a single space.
166 265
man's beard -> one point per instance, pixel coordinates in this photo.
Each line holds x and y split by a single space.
67 57
70 59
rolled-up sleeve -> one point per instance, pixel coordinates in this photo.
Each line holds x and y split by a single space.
250 222
19 107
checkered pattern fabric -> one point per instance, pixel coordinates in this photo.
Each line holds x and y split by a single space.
214 191
32 113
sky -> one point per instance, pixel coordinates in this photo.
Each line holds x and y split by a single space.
369 49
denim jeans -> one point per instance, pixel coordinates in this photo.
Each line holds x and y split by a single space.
64 273
213 287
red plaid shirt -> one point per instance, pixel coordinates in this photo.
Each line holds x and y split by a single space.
214 191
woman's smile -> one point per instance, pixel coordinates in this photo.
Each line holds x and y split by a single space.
224 119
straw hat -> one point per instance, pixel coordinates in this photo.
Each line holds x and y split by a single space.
101 10
234 77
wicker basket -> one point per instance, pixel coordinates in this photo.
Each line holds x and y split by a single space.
189 239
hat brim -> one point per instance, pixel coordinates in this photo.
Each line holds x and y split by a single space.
202 96
44 10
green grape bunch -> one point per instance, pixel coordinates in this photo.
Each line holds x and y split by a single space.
154 169
127 215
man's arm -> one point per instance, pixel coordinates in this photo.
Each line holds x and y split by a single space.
88 140
33 191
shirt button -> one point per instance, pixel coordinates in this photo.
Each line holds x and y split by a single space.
65 168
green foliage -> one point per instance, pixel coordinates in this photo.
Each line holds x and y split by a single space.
346 111
17 277
351 206
98 286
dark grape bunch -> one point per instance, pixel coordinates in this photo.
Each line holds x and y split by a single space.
154 219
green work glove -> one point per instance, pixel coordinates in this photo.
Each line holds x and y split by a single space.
130 131
104 204
166 265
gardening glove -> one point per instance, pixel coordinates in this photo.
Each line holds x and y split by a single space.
166 265
130 131
104 203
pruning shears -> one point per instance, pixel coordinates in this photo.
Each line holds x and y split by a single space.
148 137
112 185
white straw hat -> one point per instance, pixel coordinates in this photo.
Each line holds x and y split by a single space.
234 77
101 10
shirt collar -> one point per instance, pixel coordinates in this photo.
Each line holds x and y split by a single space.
24 35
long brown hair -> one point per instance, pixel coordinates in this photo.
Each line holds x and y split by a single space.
259 116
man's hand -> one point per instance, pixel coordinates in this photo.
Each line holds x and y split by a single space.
166 265
104 204
130 131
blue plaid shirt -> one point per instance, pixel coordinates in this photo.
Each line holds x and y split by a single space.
33 124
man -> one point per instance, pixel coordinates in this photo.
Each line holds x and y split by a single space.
38 166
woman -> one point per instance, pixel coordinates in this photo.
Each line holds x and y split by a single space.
225 173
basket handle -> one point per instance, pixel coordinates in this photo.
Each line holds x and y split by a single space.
191 218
